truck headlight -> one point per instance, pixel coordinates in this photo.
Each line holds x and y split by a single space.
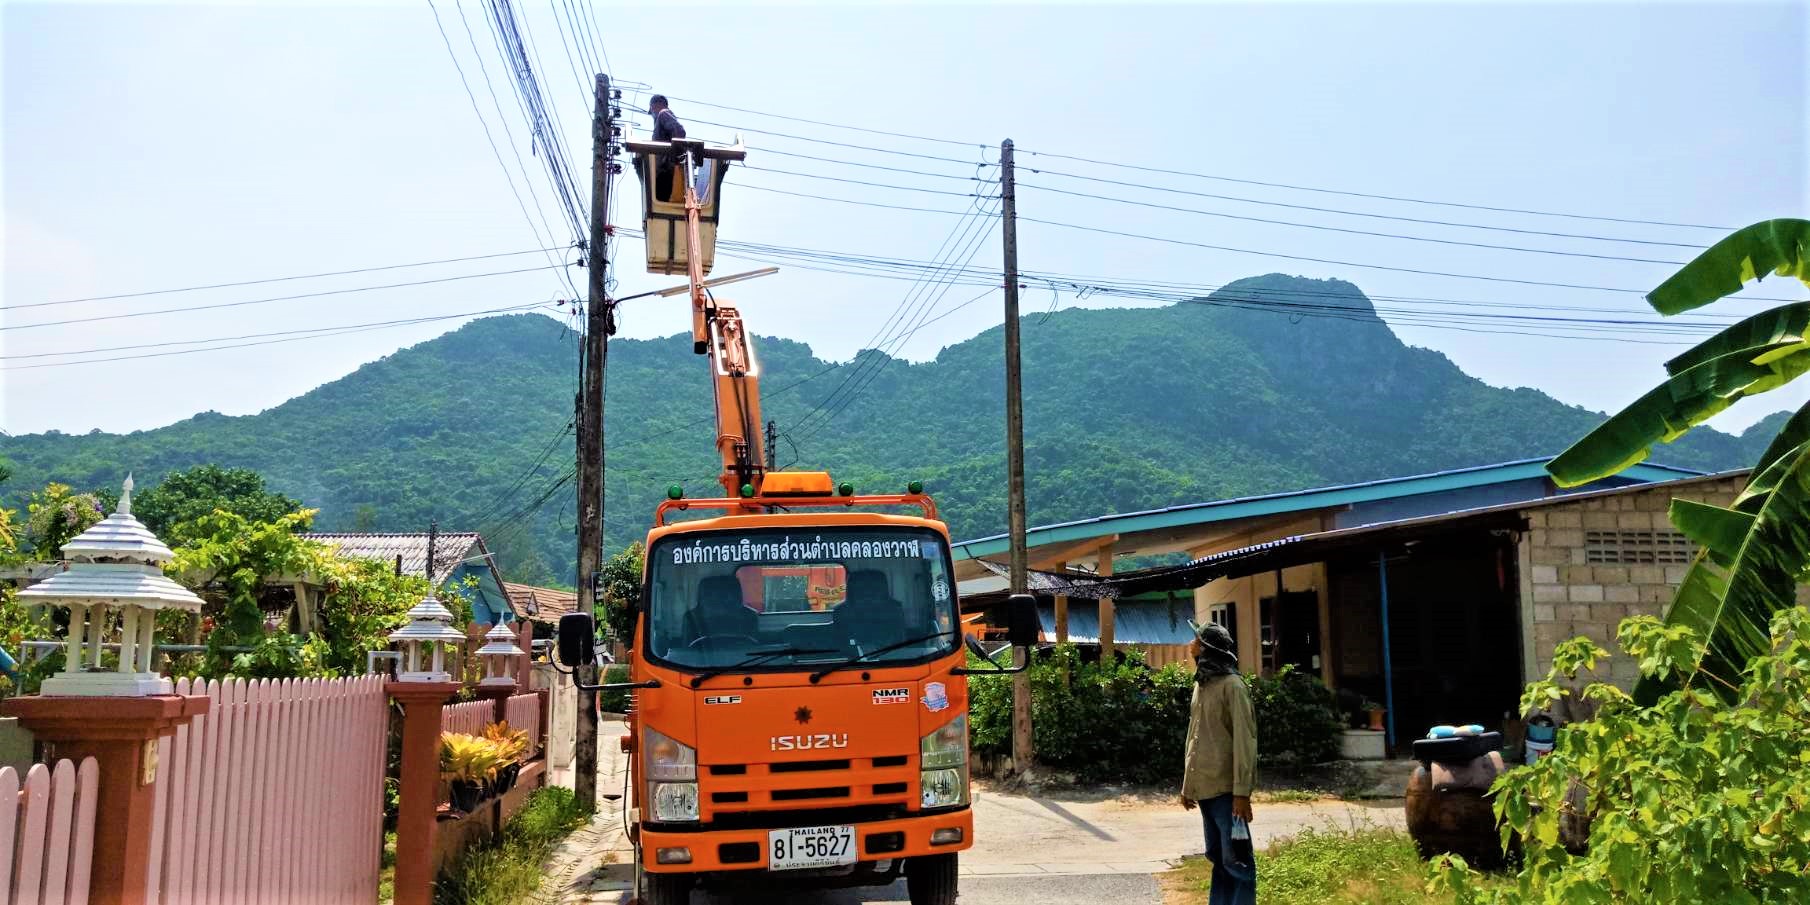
672 777
675 801
943 759
668 759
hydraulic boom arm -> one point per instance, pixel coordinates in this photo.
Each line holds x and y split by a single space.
717 331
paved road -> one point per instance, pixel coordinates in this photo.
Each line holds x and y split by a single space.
1049 849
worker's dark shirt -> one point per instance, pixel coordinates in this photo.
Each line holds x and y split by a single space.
667 126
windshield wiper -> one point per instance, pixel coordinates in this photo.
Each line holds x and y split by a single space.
756 660
819 674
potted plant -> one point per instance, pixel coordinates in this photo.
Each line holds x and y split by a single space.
1375 712
511 746
469 764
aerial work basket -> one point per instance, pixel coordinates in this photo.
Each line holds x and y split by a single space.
665 169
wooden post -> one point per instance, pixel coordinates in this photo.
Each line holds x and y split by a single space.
420 787
599 323
1062 611
1022 753
1103 568
1324 591
121 735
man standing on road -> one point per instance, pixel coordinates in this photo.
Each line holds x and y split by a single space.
1221 764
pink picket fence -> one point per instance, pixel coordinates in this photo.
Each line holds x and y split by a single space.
47 833
470 717
274 796
523 712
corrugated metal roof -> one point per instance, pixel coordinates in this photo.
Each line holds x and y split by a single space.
1309 547
540 604
1132 623
1293 501
450 550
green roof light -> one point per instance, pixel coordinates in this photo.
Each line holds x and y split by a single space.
846 489
675 492
747 490
915 487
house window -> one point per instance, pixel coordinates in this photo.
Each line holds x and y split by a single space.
1221 615
1637 548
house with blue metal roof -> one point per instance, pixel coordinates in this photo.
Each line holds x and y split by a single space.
1438 596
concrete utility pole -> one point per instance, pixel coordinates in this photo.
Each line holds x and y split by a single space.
1021 683
599 324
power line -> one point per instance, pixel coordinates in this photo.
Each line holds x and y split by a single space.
1171 190
548 238
497 503
267 342
1355 232
193 342
1377 197
1271 254
817 122
878 185
896 207
280 298
1166 171
299 276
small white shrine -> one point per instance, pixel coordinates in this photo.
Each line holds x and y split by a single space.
499 653
424 643
113 586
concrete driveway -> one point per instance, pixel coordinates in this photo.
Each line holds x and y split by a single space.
1074 849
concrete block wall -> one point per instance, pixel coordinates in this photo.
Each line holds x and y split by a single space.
1564 595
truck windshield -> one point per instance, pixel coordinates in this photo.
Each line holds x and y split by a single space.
804 598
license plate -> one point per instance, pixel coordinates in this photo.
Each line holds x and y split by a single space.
810 846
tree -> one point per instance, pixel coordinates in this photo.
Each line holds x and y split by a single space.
170 507
55 515
622 592
1754 555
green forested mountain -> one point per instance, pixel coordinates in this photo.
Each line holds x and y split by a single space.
1124 409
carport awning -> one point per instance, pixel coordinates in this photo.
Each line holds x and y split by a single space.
1265 557
1139 622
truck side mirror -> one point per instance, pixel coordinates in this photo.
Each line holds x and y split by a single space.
1022 626
577 640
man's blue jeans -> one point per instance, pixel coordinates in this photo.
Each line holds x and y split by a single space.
1233 884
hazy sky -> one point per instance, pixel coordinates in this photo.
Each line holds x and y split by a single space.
151 146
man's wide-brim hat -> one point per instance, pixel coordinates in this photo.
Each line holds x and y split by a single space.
1214 637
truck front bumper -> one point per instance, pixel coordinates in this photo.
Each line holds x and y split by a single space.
881 840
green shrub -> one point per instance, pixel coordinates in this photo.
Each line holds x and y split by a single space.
1297 718
508 872
614 701
1129 723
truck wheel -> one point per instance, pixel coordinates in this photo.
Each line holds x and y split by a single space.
930 880
665 889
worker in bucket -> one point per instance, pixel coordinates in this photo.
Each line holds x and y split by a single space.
1221 764
666 128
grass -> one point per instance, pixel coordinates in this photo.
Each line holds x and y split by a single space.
386 878
1324 867
1288 796
509 872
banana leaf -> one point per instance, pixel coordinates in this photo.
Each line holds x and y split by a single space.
1769 327
1666 412
1717 530
1794 434
1734 610
1774 246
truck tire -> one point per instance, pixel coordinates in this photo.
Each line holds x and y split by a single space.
665 889
930 879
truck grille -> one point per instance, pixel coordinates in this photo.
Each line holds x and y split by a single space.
735 791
